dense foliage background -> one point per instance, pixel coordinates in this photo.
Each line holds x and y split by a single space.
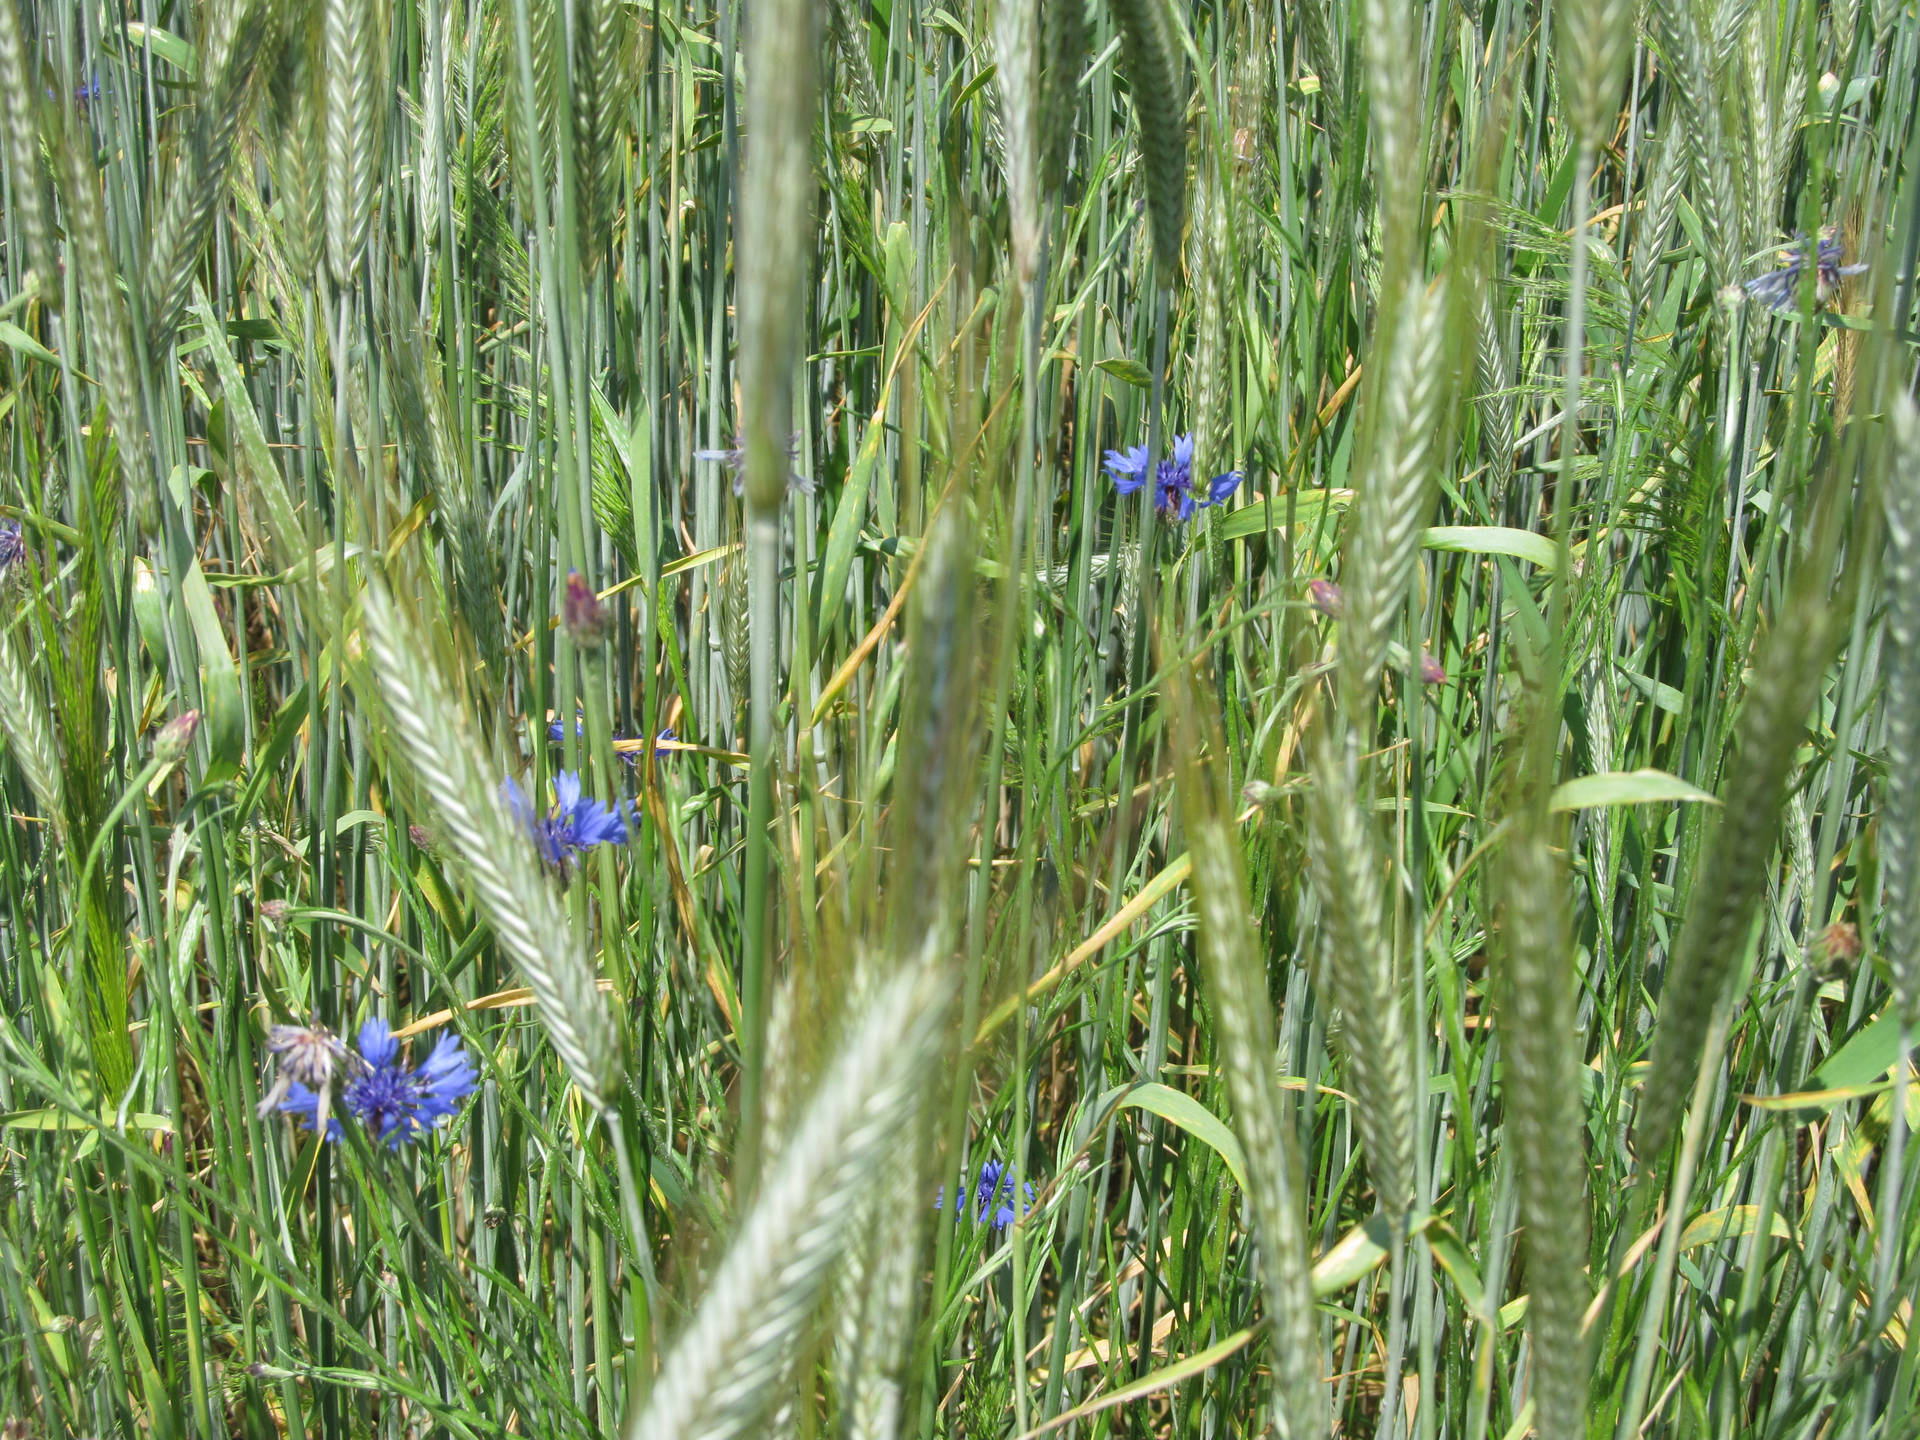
1418 935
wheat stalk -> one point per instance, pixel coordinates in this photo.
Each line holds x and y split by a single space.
1347 869
1543 1093
200 171
353 127
1593 39
1236 976
1015 42
109 334
1212 369
1693 74
774 237
1598 695
29 204
1662 204
297 107
1390 48
1785 676
1900 807
1396 493
856 61
1495 397
1063 49
718 1379
1156 81
516 897
24 719
603 58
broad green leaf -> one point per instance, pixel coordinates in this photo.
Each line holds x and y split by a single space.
1491 540
223 711
1181 1109
845 530
165 45
1253 518
1357 1253
1626 787
1131 371
14 338
1865 1058
1732 1222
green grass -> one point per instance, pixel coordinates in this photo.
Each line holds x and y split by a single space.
1520 1040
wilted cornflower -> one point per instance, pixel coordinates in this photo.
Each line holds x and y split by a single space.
1780 290
1174 497
305 1058
394 1103
993 1195
1431 671
736 461
13 545
575 823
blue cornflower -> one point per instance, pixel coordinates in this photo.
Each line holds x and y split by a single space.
392 1102
1780 289
574 824
13 545
625 746
993 1195
1174 497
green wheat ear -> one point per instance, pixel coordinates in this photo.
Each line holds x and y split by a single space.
1900 809
1157 84
1236 980
518 900
1543 1090
1783 681
29 201
355 59
718 1381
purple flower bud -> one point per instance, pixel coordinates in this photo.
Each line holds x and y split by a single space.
176 736
582 613
1431 672
1324 596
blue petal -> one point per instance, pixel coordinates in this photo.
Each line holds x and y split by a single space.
566 790
1221 487
447 1076
517 802
1131 461
1183 450
303 1102
377 1045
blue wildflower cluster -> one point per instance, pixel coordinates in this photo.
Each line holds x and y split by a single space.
575 824
735 459
386 1097
993 1195
13 545
1780 289
1174 497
